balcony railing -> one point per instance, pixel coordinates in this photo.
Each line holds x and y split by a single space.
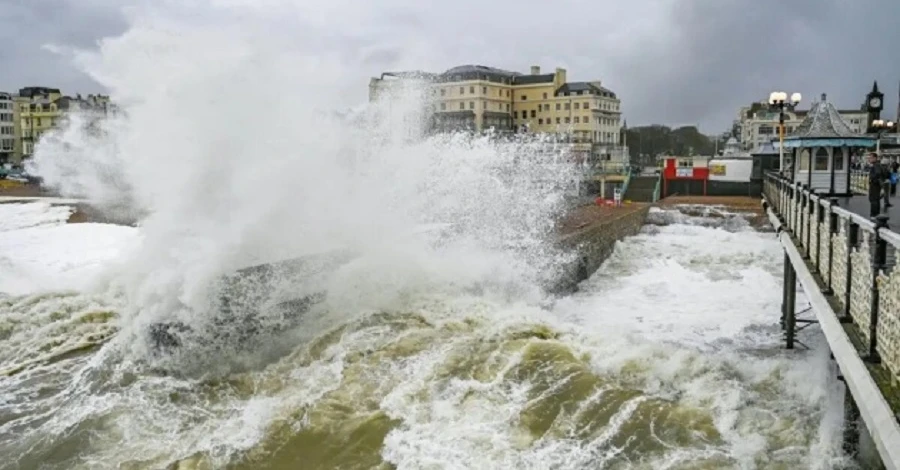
608 168
855 258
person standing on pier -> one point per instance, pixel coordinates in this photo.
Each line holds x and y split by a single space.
877 176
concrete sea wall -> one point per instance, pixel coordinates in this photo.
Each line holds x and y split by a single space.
595 241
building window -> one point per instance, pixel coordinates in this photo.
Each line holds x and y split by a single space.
462 90
586 120
685 163
524 97
533 114
443 106
462 105
471 90
577 119
484 90
443 92
545 96
587 105
558 106
557 120
541 121
837 163
508 93
568 120
507 107
471 105
568 106
821 160
804 160
577 105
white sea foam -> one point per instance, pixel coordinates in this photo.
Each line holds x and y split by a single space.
39 252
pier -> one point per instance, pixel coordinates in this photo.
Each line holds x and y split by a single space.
845 263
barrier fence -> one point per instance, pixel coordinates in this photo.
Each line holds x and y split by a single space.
859 181
855 259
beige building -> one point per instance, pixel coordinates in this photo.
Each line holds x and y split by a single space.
40 109
757 124
480 98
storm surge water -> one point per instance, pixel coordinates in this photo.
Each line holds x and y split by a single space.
427 350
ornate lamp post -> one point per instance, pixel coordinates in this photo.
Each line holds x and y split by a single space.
881 126
779 99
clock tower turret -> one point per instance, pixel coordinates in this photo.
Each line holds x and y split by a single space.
874 105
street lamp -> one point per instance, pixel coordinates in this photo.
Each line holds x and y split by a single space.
881 126
779 99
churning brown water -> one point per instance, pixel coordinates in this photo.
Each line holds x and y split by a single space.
669 357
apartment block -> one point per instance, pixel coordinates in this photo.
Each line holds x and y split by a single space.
480 98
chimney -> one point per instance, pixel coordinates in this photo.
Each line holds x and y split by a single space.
823 97
560 78
535 69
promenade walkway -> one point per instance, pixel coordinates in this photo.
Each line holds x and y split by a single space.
51 200
843 261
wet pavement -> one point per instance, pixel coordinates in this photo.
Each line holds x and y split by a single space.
860 205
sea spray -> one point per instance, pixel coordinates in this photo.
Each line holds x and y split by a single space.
229 140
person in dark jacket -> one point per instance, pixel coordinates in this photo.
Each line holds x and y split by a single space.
876 184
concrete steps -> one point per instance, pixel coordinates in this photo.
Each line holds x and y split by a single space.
641 188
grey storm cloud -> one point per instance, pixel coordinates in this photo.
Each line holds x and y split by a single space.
27 25
671 61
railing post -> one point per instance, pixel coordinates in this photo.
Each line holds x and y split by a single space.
852 241
879 260
801 209
790 304
832 229
794 204
810 210
780 188
820 218
784 291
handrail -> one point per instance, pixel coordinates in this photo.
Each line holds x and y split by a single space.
656 189
625 183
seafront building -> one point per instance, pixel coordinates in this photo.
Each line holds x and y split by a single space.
7 127
585 115
34 111
757 124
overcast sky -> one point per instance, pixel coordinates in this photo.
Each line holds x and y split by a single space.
670 61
